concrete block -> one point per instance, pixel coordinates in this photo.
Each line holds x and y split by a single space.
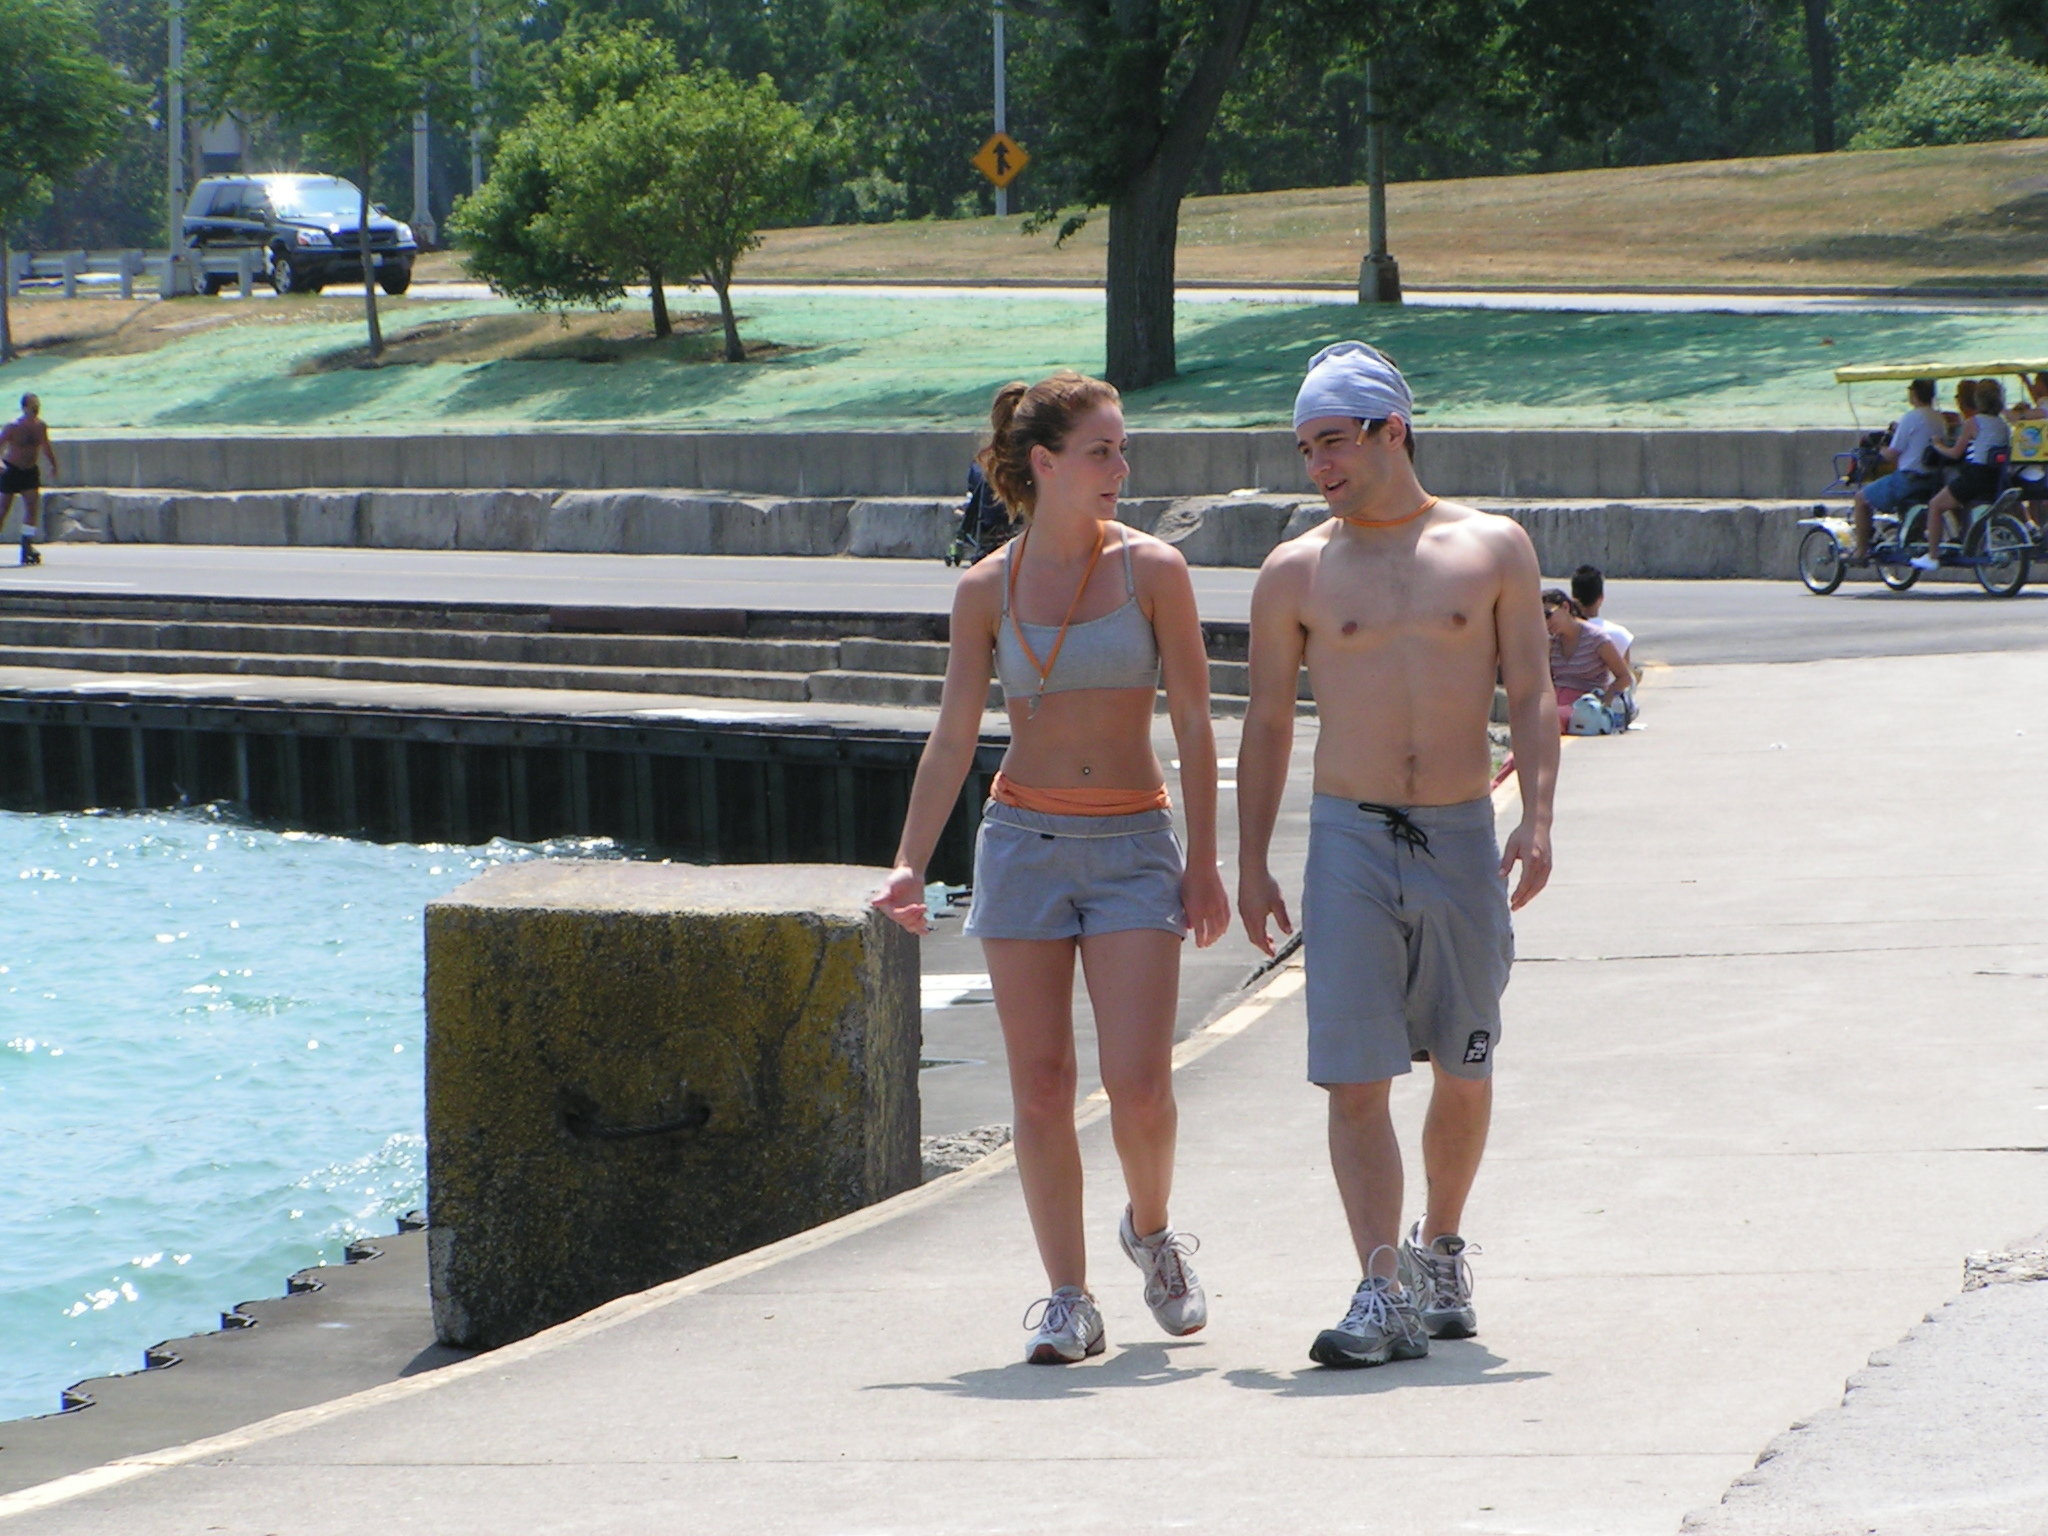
141 517
901 529
1309 513
1144 512
501 519
636 1070
594 522
408 520
234 517
1224 530
326 518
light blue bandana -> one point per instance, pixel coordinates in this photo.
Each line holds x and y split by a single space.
1349 378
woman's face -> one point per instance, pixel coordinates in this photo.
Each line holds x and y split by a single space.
1559 622
1089 470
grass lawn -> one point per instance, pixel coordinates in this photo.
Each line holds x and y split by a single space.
853 361
1970 214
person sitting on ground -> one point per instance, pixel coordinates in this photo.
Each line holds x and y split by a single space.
1589 591
1583 660
1910 479
1984 437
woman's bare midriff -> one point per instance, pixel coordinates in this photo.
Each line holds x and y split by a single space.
1089 738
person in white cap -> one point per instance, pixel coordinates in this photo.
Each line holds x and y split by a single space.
1405 609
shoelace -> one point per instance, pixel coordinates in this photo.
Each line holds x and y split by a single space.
1449 1275
1171 1260
1399 827
1370 1304
1052 1313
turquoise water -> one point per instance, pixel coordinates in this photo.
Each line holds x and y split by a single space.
209 1071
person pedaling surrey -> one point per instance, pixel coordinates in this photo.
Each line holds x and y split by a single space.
1079 616
23 442
1584 659
1405 609
1985 434
1910 479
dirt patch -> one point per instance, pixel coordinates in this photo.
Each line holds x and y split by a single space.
621 337
120 327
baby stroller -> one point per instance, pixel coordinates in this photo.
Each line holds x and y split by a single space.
985 525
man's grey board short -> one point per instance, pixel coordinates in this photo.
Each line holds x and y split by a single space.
1039 876
1406 939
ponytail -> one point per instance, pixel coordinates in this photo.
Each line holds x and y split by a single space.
1023 417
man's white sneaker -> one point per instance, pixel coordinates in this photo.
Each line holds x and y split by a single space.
1924 563
1069 1328
1171 1289
1440 1280
1381 1325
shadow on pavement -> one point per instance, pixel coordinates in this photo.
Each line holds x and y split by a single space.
1133 1365
1461 1364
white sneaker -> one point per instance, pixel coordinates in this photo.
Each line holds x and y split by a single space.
1171 1289
1440 1280
1381 1324
1924 563
1069 1328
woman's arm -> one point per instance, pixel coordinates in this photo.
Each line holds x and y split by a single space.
949 750
1618 668
1184 668
1961 445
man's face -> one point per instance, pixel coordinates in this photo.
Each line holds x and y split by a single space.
31 406
1344 462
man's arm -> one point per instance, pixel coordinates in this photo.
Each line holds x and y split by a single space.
50 452
1532 709
1268 740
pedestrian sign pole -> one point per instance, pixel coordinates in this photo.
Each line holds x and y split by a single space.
1002 113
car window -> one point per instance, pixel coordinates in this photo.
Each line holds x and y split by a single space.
322 200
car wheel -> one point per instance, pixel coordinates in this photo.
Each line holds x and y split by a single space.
212 282
284 277
395 280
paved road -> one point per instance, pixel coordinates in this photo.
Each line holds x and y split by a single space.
1678 622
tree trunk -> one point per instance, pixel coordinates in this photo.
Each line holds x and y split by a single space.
369 263
721 284
6 317
658 301
1820 63
1144 219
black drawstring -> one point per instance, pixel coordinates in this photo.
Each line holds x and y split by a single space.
1399 827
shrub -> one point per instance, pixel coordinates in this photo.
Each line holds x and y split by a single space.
1959 101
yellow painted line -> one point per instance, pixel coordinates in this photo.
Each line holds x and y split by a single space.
1283 983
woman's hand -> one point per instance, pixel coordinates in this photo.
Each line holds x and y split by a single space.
1208 909
901 900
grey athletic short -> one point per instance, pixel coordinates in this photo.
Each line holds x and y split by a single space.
1061 877
1406 939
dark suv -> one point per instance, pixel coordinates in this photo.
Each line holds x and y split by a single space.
306 227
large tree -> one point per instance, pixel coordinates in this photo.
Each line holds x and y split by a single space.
61 106
349 74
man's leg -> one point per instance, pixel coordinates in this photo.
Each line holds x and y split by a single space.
1366 1158
31 530
1453 1140
1860 515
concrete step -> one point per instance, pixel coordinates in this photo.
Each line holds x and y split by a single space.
783 687
539 648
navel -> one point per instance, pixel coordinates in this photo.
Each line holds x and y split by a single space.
1350 627
1458 620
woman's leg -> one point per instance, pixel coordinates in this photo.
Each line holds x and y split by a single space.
1134 984
1033 981
1937 519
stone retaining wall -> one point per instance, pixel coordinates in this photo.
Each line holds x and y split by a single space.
1641 538
1604 463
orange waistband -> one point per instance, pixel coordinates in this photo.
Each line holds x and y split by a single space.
1078 802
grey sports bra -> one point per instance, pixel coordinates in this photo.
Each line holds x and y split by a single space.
1117 650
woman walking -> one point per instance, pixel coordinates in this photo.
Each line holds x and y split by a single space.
1081 618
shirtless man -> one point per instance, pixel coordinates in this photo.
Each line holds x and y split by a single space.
22 442
1404 608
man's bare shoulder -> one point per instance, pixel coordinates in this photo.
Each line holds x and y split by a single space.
1295 559
1490 530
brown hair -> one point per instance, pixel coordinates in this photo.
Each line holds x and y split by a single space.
1557 597
1026 416
1990 397
1966 394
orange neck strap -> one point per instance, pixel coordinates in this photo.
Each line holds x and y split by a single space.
1044 669
1390 522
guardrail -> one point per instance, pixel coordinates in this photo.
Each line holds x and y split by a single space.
244 266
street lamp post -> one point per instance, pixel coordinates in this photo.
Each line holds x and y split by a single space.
177 272
1002 107
1379 275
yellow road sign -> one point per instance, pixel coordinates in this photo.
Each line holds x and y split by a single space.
1002 159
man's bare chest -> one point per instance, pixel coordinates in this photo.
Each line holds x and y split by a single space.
1361 606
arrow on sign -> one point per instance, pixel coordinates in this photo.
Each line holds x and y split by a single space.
1002 159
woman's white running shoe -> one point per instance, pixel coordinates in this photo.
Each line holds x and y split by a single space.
1171 1289
1069 1328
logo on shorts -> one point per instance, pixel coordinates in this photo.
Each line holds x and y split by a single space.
1475 1047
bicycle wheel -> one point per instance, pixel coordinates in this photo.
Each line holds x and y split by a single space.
1821 564
1898 577
2004 551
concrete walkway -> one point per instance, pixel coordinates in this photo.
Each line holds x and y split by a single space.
1772 1066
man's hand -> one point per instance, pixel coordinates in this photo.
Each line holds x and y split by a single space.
901 900
1259 898
1531 849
